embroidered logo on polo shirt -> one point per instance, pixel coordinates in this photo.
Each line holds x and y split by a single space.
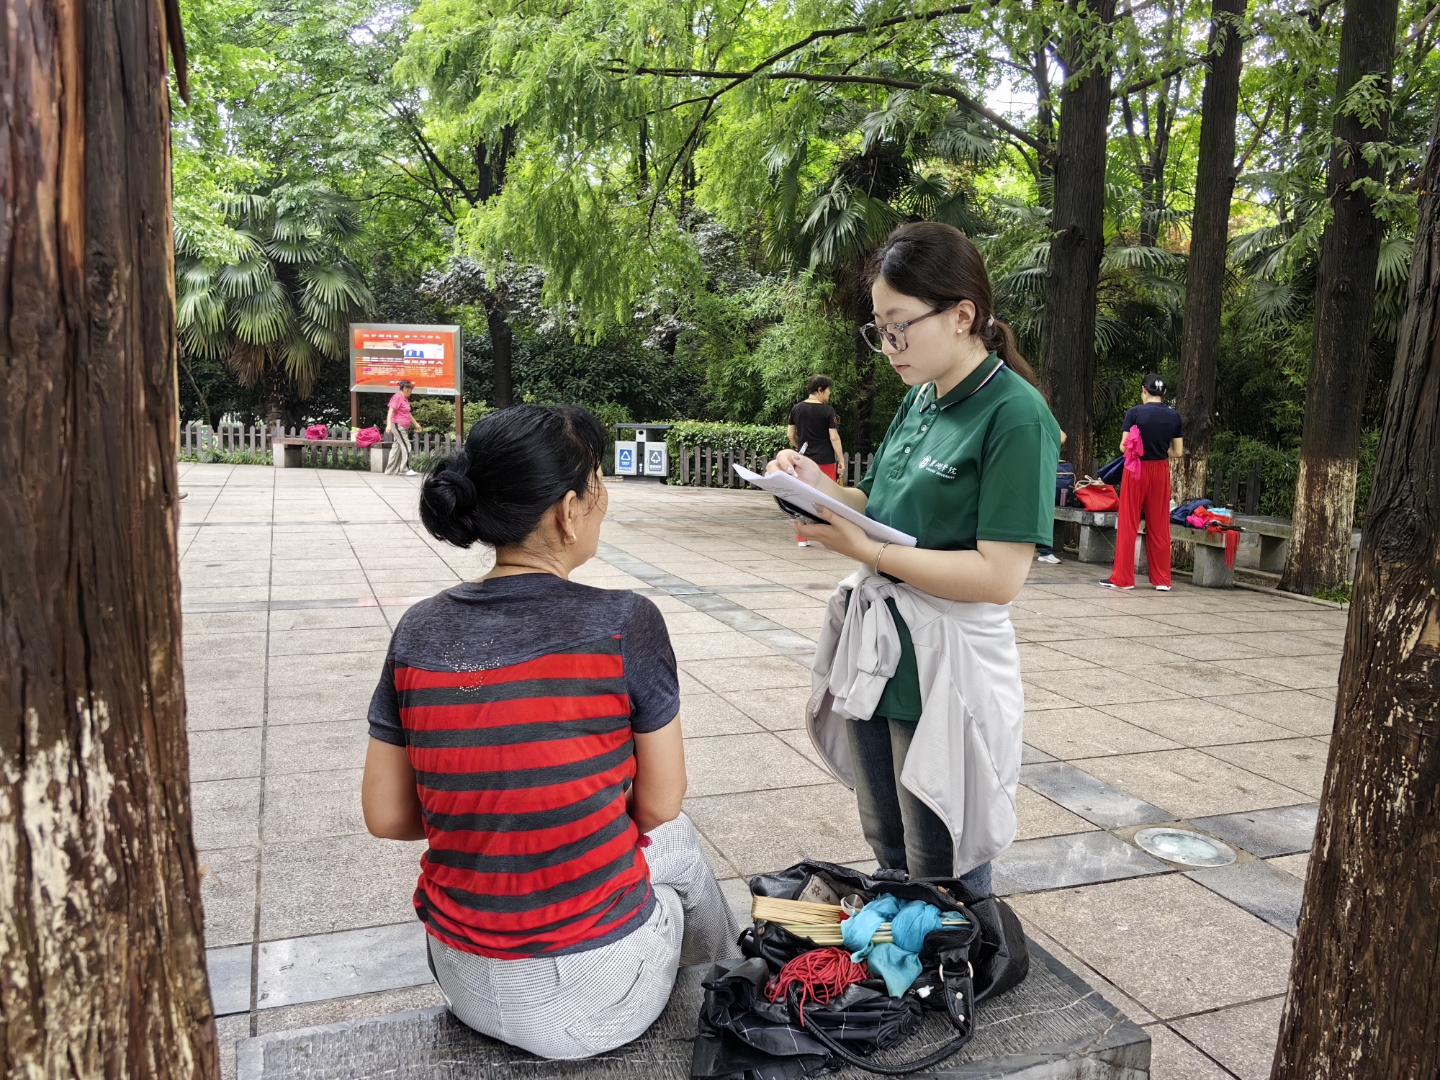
937 468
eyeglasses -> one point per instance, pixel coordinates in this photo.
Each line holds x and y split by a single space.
876 336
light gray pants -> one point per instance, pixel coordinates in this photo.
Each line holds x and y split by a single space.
399 452
581 1004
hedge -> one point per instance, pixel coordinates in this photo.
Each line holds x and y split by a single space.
762 438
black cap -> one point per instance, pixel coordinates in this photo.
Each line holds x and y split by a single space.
1154 386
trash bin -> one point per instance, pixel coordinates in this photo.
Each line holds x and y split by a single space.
644 455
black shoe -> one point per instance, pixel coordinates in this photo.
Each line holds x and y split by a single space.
1111 585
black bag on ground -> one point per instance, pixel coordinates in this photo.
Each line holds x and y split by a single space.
744 1036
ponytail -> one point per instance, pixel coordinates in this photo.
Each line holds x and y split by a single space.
998 336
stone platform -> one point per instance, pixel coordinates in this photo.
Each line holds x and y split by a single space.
1052 1026
1209 709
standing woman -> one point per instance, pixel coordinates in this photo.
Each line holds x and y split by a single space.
397 424
918 703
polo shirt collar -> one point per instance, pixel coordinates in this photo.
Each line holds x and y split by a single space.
970 383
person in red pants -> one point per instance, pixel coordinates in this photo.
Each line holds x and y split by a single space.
1148 494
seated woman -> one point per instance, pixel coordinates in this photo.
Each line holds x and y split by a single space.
526 727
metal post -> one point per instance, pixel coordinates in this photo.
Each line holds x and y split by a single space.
354 410
459 417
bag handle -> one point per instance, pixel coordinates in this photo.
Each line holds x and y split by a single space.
959 991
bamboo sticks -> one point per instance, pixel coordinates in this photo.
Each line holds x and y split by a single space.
821 922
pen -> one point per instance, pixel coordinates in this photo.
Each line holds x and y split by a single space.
803 447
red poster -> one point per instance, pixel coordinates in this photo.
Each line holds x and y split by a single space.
381 354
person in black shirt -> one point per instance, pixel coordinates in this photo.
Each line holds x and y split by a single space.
1149 492
813 426
814 432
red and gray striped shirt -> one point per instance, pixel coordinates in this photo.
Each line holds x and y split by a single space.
516 700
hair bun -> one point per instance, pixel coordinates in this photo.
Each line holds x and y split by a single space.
449 501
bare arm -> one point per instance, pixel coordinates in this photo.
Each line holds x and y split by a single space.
389 419
1177 448
388 798
994 573
802 468
793 436
659 776
839 449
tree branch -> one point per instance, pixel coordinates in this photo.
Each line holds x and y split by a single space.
738 77
1255 142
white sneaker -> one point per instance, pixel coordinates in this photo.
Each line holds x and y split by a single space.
411 472
802 543
1162 588
1047 558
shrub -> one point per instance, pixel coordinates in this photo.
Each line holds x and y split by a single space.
229 457
438 413
1279 469
761 438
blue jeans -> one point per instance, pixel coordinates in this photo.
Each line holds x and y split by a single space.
904 833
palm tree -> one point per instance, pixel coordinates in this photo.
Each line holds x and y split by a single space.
272 289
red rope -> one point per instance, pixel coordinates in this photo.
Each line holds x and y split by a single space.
821 974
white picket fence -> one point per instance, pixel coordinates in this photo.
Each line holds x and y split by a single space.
196 438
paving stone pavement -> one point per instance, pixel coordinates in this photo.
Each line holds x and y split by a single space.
1208 709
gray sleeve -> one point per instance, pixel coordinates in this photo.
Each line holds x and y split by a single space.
385 708
651 678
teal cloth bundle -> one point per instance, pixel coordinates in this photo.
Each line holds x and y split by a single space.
897 961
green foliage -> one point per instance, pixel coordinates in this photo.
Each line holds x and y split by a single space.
760 438
438 413
1339 594
228 457
1279 468
273 294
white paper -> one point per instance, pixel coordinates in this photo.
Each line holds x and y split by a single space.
795 491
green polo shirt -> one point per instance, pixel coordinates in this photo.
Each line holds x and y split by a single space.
978 464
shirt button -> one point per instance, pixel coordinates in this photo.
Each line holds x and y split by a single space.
924 428
907 449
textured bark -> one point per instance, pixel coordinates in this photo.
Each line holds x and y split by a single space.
502 339
102 965
1365 983
1344 303
1078 239
1209 241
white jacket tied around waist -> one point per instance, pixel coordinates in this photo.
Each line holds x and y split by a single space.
964 762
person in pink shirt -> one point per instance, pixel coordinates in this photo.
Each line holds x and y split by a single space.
398 422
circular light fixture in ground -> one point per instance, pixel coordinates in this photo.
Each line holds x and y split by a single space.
1186 848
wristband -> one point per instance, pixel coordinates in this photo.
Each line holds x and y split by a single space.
879 553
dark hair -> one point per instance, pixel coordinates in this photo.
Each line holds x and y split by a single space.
1154 385
517 463
818 383
938 264
403 383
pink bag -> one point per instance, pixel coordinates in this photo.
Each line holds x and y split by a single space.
367 437
317 431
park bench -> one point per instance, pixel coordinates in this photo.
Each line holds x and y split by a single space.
288 451
1097 544
1274 533
1052 1025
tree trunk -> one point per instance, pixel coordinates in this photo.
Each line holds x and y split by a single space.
1209 243
102 963
1344 302
1365 983
1078 240
502 338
